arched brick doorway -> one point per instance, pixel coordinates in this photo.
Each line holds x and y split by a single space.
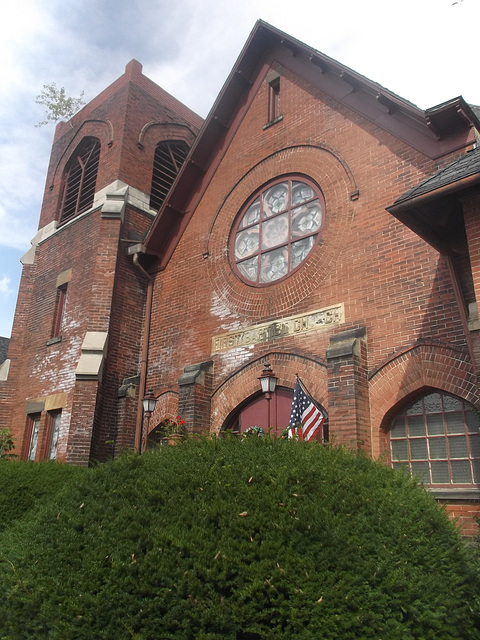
273 419
256 412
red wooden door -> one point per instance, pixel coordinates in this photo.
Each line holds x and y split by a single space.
256 414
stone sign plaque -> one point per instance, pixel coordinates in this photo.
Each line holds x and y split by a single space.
292 326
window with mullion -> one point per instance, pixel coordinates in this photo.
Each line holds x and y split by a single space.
277 230
33 430
438 439
80 180
169 158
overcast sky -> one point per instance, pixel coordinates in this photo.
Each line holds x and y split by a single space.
423 50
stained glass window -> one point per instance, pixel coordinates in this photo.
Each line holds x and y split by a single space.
277 230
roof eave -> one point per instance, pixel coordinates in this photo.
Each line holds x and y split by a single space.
214 128
456 186
419 213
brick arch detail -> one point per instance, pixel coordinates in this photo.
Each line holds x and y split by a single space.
166 407
325 168
157 131
244 383
422 366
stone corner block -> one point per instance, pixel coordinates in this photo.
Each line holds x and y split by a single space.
195 373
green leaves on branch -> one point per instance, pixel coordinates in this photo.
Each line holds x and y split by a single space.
57 104
6 444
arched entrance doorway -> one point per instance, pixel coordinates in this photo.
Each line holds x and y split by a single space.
255 413
273 419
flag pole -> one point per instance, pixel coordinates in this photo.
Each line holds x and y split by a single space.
308 392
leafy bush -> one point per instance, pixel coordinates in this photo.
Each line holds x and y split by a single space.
7 443
238 539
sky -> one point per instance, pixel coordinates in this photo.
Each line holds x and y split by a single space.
423 50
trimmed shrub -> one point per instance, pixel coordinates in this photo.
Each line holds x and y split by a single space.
238 539
27 486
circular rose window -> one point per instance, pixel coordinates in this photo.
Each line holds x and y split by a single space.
277 230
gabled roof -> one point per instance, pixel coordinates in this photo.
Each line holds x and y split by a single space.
434 132
432 209
134 74
462 168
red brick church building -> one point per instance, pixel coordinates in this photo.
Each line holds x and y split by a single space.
315 221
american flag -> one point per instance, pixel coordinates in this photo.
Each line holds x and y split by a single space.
306 419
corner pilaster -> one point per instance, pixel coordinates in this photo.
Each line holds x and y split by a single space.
195 393
348 403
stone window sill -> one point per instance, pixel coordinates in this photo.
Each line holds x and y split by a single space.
272 122
456 494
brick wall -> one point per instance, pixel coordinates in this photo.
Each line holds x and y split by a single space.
465 515
106 292
392 283
399 303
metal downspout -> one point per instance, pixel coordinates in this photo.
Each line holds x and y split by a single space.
144 356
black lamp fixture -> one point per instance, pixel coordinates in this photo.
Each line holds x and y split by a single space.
268 380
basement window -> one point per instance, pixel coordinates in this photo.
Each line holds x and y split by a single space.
168 160
80 179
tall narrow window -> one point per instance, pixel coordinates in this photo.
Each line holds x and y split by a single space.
59 311
80 179
274 99
34 426
55 419
169 157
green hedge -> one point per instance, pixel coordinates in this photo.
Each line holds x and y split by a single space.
26 486
242 540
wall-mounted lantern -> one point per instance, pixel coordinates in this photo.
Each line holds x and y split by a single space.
149 403
268 380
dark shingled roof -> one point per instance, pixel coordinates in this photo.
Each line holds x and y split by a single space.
467 165
3 348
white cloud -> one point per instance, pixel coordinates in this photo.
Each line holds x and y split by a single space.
5 289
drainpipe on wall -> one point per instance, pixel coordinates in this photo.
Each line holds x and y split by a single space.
144 354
